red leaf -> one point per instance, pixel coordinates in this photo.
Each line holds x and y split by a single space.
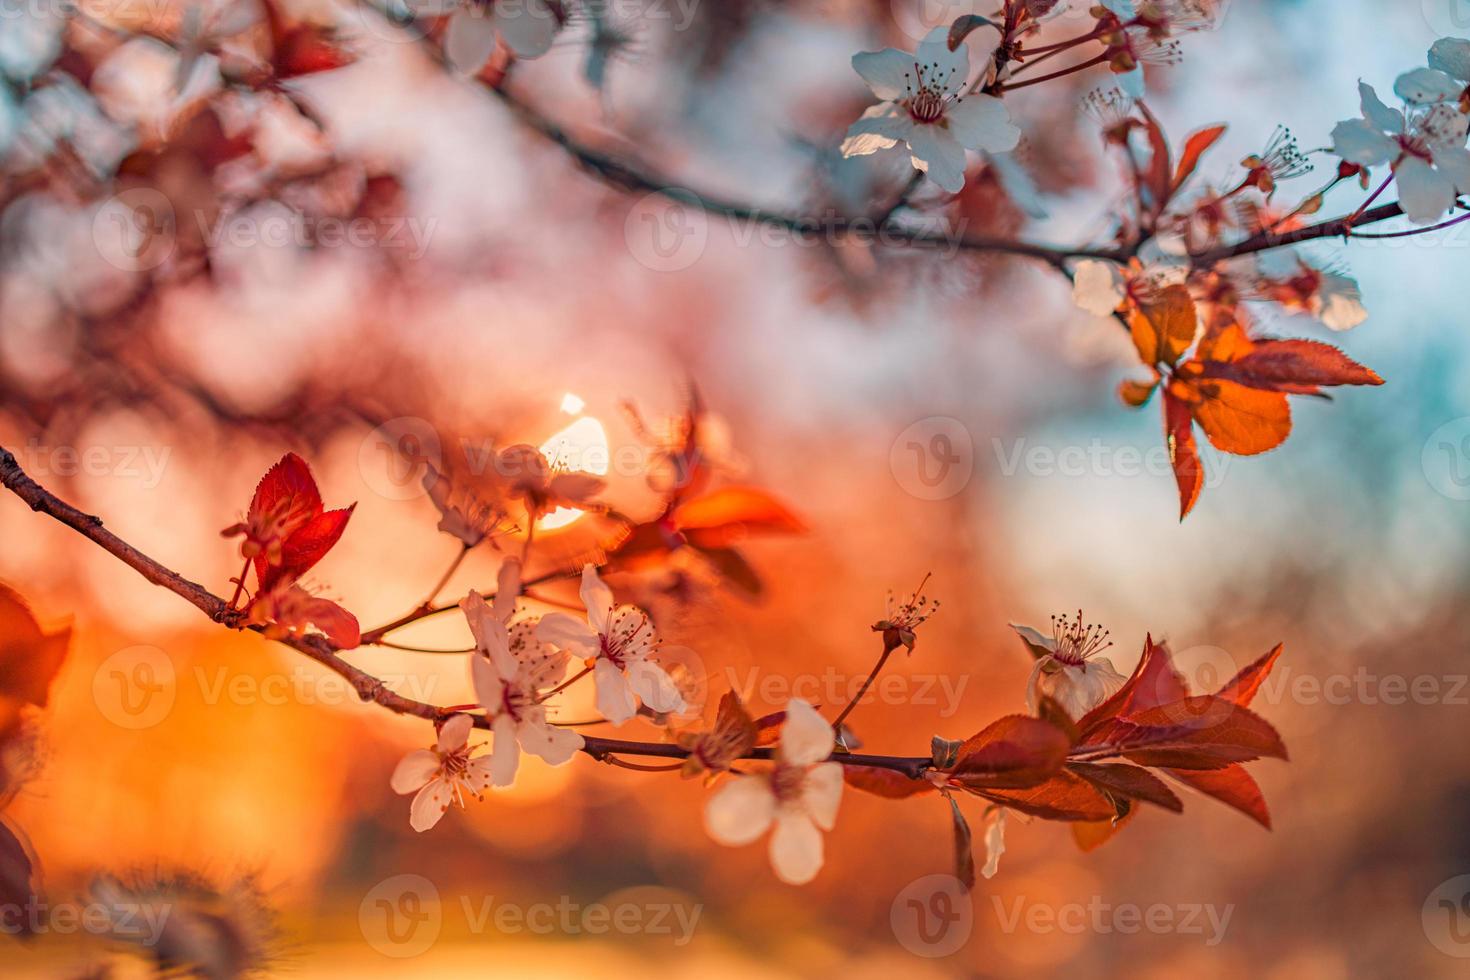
885 782
964 851
1092 834
1202 732
29 658
18 890
1062 797
305 547
1128 781
1157 177
1189 473
288 493
1194 148
1014 752
1243 686
1232 786
1152 671
1297 367
726 516
1236 418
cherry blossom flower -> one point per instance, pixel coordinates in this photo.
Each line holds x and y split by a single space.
1331 296
528 28
461 513
531 479
617 643
1426 149
1098 286
1068 669
509 671
799 796
924 106
900 621
1145 36
441 775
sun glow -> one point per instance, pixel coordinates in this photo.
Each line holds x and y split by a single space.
580 447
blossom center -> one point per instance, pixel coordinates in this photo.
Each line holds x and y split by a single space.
1075 640
928 102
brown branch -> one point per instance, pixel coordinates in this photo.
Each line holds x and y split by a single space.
322 650
1267 240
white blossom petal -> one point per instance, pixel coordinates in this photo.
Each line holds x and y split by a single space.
740 811
942 158
528 26
414 771
598 599
1424 193
507 589
505 757
1132 83
654 686
490 634
806 738
942 64
1454 162
821 792
887 72
489 685
1451 55
454 734
796 848
1341 302
470 39
614 695
981 122
1386 119
554 746
568 633
1425 86
995 841
1357 141
1098 288
881 126
429 805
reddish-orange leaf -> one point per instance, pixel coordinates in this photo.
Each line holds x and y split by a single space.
1194 148
1015 751
1189 472
885 782
1128 781
305 547
1243 686
1092 834
1154 663
725 516
1298 367
1163 325
1062 797
29 658
1135 394
1201 732
1236 419
1232 786
1157 178
287 494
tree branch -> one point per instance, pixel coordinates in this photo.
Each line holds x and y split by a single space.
323 651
